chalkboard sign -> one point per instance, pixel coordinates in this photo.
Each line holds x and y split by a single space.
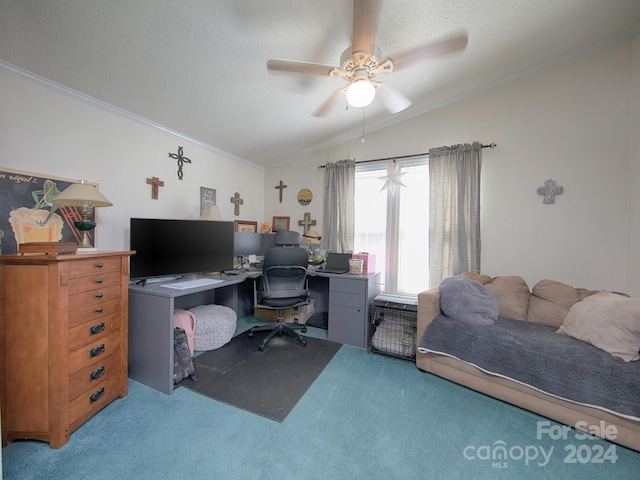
27 214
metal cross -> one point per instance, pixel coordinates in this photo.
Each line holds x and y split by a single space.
280 187
155 182
307 222
550 190
237 201
181 161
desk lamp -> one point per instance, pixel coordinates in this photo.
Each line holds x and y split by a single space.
84 197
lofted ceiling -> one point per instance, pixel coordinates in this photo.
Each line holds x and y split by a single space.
198 67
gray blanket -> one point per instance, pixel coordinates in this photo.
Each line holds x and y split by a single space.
536 356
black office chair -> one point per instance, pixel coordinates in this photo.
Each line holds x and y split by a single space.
284 280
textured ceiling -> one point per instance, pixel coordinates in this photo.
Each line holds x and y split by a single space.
199 67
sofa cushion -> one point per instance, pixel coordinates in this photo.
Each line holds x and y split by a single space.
550 302
606 320
512 293
466 300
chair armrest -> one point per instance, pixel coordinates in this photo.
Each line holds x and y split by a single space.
428 309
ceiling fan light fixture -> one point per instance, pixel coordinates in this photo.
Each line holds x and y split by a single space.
360 93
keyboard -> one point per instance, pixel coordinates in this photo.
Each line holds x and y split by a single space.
198 282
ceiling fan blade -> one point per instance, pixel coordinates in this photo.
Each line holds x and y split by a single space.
329 104
438 49
392 99
299 67
365 25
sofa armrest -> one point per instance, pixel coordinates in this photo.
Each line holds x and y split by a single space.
428 309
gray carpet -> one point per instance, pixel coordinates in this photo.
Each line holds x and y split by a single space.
268 383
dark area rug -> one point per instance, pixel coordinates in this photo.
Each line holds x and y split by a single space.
267 383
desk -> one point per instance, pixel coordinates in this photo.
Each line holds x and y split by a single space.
346 298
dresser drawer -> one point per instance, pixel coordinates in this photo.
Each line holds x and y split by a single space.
94 375
94 266
94 311
93 330
82 284
93 353
92 400
91 296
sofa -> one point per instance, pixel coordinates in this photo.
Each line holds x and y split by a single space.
553 324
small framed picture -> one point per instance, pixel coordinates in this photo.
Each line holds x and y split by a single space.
245 226
280 223
207 197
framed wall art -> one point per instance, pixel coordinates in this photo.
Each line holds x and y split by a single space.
207 197
245 226
27 214
280 223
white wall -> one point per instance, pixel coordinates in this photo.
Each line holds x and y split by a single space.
50 133
571 123
633 246
576 123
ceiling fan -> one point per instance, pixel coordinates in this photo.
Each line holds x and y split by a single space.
361 63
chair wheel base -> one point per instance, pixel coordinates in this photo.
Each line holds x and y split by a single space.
279 329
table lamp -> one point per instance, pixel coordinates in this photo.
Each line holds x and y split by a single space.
211 213
311 236
84 197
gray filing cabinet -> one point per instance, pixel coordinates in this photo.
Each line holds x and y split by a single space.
349 299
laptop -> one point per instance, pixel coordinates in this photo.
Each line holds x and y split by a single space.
337 263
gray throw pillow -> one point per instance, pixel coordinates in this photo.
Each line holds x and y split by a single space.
466 300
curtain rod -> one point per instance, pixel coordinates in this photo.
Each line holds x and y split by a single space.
426 154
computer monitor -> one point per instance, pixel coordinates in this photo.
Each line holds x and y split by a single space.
246 243
268 241
178 247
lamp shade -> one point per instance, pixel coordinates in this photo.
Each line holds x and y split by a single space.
311 237
81 194
211 213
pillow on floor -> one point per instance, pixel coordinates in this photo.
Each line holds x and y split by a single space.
466 300
608 321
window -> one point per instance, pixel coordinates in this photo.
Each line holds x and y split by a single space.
395 226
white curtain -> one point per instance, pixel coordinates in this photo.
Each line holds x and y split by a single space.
339 205
454 210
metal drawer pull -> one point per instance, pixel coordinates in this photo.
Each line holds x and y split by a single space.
99 295
99 265
97 395
97 328
97 373
94 352
99 280
99 309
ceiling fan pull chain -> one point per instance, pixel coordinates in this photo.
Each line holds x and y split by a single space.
362 140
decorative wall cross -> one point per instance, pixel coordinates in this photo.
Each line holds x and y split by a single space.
237 201
280 187
181 161
550 190
306 222
155 182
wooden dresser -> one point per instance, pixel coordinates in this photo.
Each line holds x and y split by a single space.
63 341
